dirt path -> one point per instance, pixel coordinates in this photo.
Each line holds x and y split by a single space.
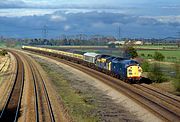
110 104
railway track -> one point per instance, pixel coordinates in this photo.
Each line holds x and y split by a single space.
2 67
163 105
10 111
169 100
43 107
12 105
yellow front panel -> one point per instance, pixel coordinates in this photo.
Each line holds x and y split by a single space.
103 60
109 67
134 71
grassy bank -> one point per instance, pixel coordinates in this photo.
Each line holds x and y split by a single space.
74 102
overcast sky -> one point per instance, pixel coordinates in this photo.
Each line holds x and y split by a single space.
136 18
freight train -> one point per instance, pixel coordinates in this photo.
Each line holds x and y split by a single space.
125 69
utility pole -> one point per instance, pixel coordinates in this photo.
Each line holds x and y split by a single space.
119 32
44 31
178 39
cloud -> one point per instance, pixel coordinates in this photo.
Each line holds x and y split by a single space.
69 3
25 12
12 4
168 19
165 20
105 23
67 27
57 18
98 25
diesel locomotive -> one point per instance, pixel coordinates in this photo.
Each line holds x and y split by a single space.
127 70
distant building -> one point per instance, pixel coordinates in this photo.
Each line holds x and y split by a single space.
148 43
117 42
138 42
126 42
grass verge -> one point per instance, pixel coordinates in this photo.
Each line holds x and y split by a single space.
78 108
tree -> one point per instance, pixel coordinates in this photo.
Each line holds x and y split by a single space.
176 81
178 43
142 54
156 74
3 52
130 52
158 56
145 66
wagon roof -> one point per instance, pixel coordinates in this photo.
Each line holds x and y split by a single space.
91 54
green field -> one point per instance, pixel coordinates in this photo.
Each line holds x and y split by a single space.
2 44
168 54
156 46
171 52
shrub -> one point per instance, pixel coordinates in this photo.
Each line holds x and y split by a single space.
156 74
149 55
130 52
176 81
145 66
158 56
3 52
142 55
177 84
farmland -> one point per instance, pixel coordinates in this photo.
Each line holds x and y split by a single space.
170 56
171 52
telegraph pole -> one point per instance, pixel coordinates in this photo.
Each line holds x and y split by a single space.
119 32
44 31
178 39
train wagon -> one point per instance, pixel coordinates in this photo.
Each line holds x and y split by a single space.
90 57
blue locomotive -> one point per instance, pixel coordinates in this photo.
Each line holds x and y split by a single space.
123 68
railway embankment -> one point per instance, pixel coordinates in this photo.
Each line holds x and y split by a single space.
91 97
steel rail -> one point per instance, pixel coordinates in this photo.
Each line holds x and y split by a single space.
47 98
33 69
35 91
16 91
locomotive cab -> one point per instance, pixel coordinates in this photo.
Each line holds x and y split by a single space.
134 71
128 70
